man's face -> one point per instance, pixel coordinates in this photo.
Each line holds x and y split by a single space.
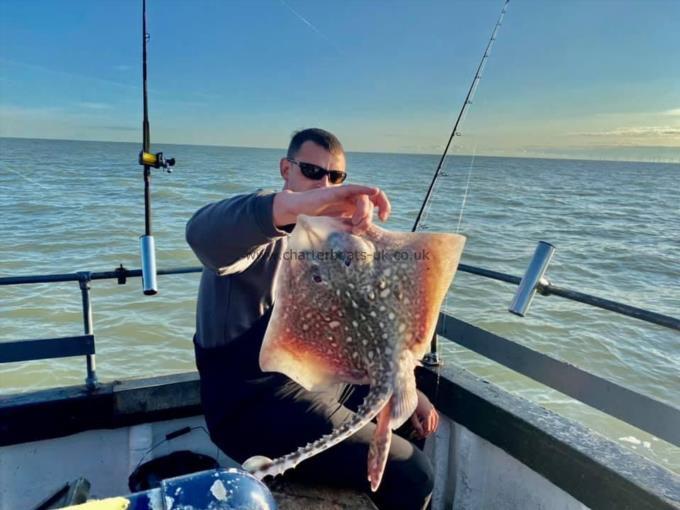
310 152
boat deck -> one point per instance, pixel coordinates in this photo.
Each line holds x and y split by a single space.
492 447
296 496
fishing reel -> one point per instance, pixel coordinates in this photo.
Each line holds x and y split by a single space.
156 161
146 242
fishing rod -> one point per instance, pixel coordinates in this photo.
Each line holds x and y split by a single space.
148 160
461 113
432 358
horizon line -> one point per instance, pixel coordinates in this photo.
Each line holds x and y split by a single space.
477 155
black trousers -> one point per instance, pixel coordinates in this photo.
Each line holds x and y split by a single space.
249 412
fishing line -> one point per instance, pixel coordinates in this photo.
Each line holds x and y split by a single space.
460 220
432 358
426 213
465 194
346 393
169 437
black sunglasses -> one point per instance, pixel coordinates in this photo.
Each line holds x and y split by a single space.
317 173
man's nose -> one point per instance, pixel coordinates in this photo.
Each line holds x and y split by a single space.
325 183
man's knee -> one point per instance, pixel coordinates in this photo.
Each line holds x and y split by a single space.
407 483
273 427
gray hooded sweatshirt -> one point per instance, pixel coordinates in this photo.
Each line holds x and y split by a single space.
240 249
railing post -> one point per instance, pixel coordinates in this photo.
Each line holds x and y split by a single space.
84 278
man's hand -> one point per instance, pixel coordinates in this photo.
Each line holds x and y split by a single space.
425 419
349 201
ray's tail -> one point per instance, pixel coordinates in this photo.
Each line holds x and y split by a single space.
376 399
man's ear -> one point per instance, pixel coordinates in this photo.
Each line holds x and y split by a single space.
284 168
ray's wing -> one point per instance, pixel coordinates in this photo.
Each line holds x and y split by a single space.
421 267
436 269
306 338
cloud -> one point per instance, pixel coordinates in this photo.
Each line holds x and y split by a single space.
8 111
644 131
637 116
601 151
60 72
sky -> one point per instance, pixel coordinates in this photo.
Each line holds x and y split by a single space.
591 79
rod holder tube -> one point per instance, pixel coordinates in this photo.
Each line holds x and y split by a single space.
432 359
148 251
532 278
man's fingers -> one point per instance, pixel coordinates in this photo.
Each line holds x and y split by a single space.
363 207
352 200
376 196
434 421
431 422
363 217
350 190
382 202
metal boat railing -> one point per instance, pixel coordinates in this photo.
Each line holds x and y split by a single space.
83 345
548 289
655 417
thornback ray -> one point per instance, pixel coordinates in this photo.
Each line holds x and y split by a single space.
357 308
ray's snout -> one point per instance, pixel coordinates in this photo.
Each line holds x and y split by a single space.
312 232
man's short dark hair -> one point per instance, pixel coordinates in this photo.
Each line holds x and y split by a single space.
319 136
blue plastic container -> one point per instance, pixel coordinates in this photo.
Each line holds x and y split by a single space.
219 489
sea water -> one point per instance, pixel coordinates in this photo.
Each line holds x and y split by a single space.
69 206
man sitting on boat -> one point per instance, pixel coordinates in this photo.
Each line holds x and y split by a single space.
248 412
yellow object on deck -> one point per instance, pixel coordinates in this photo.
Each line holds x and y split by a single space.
102 504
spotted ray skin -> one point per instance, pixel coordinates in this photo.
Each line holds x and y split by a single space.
357 309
